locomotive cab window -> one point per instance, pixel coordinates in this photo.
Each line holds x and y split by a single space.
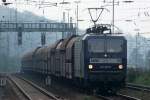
96 45
114 45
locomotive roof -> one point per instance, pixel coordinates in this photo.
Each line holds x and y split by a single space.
102 35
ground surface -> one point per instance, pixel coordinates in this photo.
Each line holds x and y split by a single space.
7 94
62 90
138 94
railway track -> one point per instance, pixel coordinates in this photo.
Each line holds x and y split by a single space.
138 87
117 97
34 92
31 91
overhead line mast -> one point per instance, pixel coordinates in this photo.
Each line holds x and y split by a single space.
113 16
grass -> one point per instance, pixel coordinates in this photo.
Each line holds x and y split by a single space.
87 98
138 76
143 79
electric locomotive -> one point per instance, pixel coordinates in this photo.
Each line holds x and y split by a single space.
103 59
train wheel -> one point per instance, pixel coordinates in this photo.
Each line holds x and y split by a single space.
112 91
48 81
107 91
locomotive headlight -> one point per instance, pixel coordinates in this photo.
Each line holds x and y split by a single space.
120 66
90 66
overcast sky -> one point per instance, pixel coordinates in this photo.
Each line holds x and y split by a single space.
128 16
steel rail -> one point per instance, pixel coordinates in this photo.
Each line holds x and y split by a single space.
138 87
40 89
117 97
45 92
20 88
128 97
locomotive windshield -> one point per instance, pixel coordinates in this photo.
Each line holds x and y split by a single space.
112 45
96 45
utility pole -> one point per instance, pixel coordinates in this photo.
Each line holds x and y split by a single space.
16 12
68 10
43 34
64 19
113 16
113 11
77 17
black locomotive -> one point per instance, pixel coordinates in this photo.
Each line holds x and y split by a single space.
97 59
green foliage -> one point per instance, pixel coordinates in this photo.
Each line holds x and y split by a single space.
143 79
138 76
147 60
131 76
87 98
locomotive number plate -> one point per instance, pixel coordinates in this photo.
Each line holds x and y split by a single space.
105 60
105 67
